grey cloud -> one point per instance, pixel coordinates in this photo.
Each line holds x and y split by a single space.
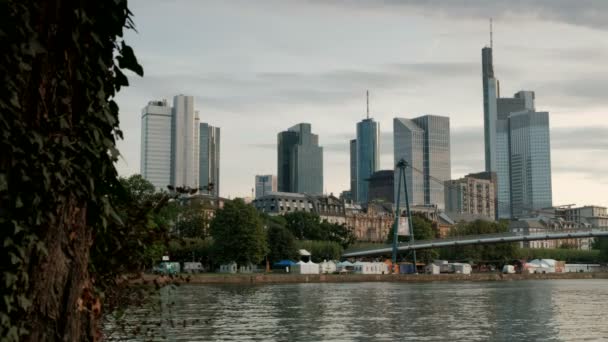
586 13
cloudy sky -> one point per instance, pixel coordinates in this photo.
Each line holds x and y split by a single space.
258 67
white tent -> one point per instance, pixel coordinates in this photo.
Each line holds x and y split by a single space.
344 266
306 268
541 266
327 267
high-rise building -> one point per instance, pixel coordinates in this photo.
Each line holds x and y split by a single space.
300 161
209 158
184 142
368 156
424 143
491 91
265 184
530 160
382 186
505 106
471 195
155 162
353 169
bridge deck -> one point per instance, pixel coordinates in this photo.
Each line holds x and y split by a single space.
478 240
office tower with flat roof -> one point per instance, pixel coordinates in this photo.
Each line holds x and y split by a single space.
523 100
300 161
424 143
265 184
184 142
368 156
209 159
353 169
530 161
155 162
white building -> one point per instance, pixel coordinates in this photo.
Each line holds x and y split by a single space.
265 184
155 162
185 142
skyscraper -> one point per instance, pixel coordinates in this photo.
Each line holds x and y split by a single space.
424 143
353 169
265 184
209 157
300 160
155 162
368 133
184 142
491 91
530 156
505 106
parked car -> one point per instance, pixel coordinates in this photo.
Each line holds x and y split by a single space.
166 267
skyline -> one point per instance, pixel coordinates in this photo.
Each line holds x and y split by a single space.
297 72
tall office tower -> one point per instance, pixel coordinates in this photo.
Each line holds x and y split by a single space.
209 158
491 91
353 169
184 142
523 100
530 156
265 184
300 160
424 143
368 156
155 162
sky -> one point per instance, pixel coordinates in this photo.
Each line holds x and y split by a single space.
256 68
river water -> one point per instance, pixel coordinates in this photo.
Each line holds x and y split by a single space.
547 310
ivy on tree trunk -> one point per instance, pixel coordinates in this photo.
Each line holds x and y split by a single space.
61 68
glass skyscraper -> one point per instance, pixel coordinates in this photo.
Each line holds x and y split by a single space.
184 142
424 143
300 161
367 162
530 155
353 169
209 157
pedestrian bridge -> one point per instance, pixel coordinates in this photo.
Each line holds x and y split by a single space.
477 240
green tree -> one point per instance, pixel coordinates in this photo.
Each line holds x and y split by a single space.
193 220
602 245
321 250
281 243
498 252
304 225
424 229
238 234
61 68
339 233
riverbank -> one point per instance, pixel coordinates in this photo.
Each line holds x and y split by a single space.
275 278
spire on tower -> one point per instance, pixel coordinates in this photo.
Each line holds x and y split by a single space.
491 43
367 94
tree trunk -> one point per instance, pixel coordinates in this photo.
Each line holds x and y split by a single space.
63 305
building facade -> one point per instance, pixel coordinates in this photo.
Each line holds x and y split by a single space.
471 196
155 161
353 168
588 216
368 156
184 142
265 184
424 143
530 161
382 186
209 158
300 161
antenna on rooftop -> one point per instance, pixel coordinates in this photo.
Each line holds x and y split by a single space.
491 42
367 94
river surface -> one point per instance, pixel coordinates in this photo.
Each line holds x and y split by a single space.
535 310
